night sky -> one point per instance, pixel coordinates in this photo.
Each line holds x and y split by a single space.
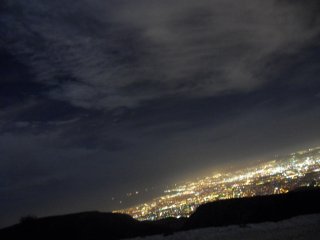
103 97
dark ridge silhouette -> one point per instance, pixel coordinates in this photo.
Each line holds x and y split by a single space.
256 209
89 226
97 225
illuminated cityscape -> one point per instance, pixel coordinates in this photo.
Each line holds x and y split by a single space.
278 176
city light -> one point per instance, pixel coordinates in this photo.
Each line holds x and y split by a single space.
273 177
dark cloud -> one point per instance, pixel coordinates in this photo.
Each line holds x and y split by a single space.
134 52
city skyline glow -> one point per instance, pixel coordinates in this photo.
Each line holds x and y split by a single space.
277 176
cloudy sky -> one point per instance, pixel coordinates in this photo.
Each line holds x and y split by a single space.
103 97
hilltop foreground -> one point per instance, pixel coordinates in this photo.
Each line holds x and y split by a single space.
239 212
297 228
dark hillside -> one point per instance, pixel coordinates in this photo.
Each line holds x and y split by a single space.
88 226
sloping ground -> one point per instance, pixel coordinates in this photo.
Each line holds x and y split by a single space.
305 227
89 226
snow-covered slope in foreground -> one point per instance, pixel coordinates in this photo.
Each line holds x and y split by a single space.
298 228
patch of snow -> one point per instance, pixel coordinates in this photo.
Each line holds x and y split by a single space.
297 228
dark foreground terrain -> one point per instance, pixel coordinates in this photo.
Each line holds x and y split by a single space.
96 225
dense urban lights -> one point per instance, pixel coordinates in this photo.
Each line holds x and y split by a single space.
274 177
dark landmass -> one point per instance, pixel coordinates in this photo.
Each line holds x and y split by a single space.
89 226
97 225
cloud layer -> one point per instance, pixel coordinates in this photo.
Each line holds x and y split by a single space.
103 55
